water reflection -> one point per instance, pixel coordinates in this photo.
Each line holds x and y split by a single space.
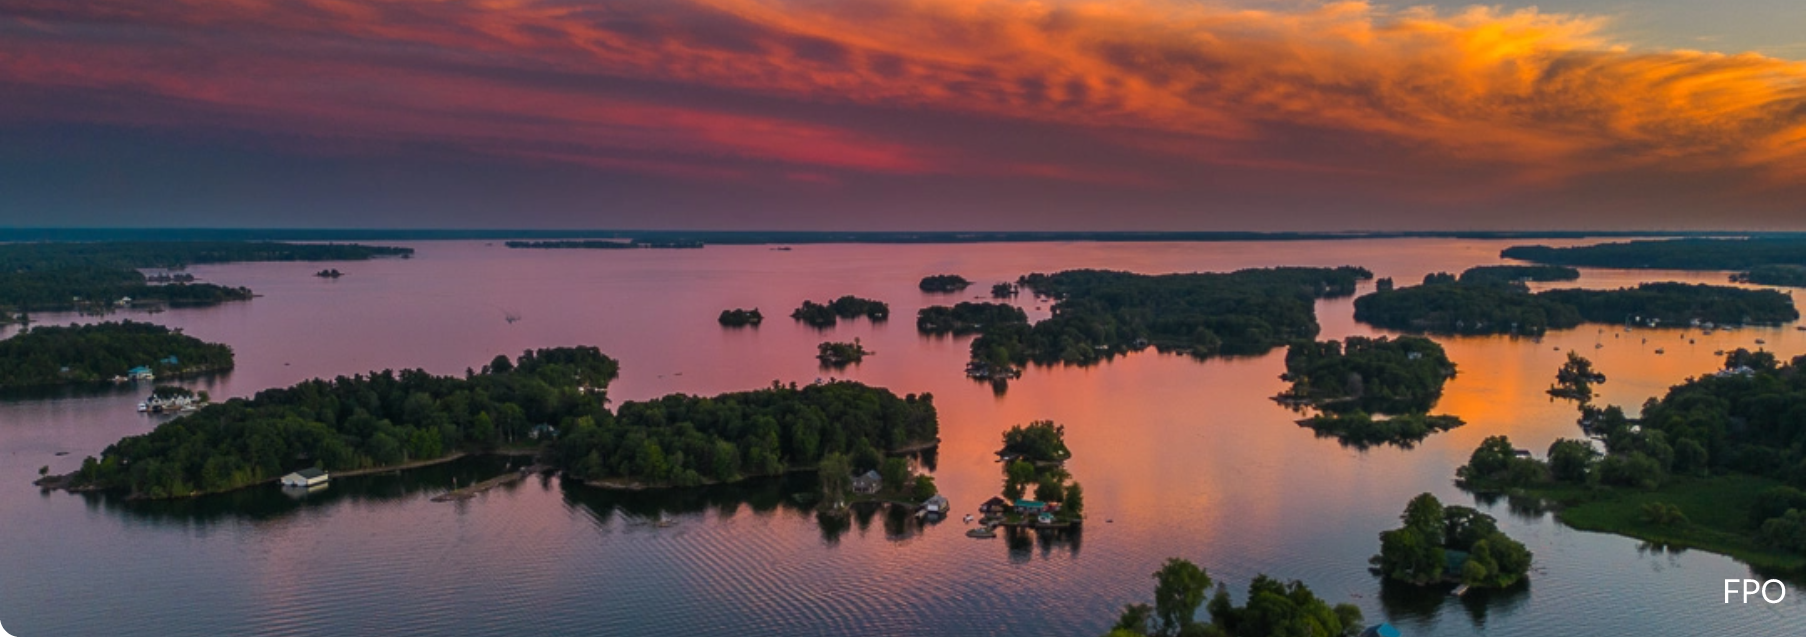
1420 607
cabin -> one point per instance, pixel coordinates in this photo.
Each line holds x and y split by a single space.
995 506
1030 507
1382 630
140 373
935 504
542 431
308 477
868 483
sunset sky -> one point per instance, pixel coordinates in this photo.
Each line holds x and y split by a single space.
903 114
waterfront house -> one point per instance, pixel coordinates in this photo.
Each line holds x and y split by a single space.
1382 630
995 506
1030 507
867 483
308 477
936 504
140 373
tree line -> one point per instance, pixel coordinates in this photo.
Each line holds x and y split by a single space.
1445 304
52 355
63 276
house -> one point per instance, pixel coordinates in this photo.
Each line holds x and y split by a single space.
542 431
1030 507
140 373
936 504
995 506
171 360
308 477
868 483
1382 630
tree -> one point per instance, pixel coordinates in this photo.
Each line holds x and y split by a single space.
836 473
1425 516
896 474
1135 619
43 471
1017 476
924 488
1178 591
1571 460
1075 500
1049 490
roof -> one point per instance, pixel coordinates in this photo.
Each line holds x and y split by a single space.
1030 504
937 499
870 475
138 369
1382 630
311 473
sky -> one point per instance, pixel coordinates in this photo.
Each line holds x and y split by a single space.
904 114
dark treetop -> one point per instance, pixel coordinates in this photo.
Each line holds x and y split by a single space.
1394 376
847 307
685 440
359 422
1100 313
52 276
50 355
1444 305
1676 254
944 283
1511 273
604 245
1457 543
739 317
967 317
1793 276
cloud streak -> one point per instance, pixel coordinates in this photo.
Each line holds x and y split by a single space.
1475 106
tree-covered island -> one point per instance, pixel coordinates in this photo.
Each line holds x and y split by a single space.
1518 273
1786 275
1762 261
103 275
836 355
1098 314
1273 608
55 355
1718 463
1351 381
604 244
1447 305
1575 379
739 317
820 315
389 420
1038 492
966 317
944 283
1450 544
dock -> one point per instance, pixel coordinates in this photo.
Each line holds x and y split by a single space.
466 493
1460 590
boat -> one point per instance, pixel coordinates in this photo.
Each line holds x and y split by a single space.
1661 351
1761 342
983 532
968 518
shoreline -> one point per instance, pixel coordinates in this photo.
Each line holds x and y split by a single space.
625 484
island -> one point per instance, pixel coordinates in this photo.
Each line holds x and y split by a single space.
1450 545
606 244
1005 290
1038 492
1575 379
1349 382
549 400
825 315
1711 465
1447 305
329 273
1098 314
1273 608
738 317
1760 260
836 355
101 276
681 440
55 355
944 283
1518 273
872 478
967 317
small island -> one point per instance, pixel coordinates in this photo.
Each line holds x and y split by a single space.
54 355
738 317
1575 379
1518 273
1479 305
1273 608
1034 466
1348 382
332 273
1762 261
821 316
967 317
1005 290
1784 275
1450 545
838 355
944 283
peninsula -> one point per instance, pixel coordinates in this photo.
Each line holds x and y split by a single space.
54 355
1484 305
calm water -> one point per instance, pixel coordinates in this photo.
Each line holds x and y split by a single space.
1188 459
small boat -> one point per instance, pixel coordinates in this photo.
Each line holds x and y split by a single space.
968 518
142 407
982 532
1761 342
1661 351
1718 353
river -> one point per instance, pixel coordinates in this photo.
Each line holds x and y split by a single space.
1178 458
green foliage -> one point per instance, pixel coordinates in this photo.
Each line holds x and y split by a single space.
1360 430
1496 464
1179 589
1074 500
923 488
1670 254
1678 303
834 354
1039 441
602 244
896 474
1572 461
49 355
1663 514
52 276
1518 273
1774 503
1100 313
1004 290
739 317
769 430
1788 275
836 474
847 307
1417 553
360 422
1786 532
1397 376
1576 378
944 283
967 317
1483 306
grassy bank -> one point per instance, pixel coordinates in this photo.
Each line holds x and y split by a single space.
1717 510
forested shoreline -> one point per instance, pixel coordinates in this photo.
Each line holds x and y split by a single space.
56 355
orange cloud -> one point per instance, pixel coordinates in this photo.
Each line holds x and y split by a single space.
1540 98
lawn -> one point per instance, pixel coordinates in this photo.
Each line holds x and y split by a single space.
1717 510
